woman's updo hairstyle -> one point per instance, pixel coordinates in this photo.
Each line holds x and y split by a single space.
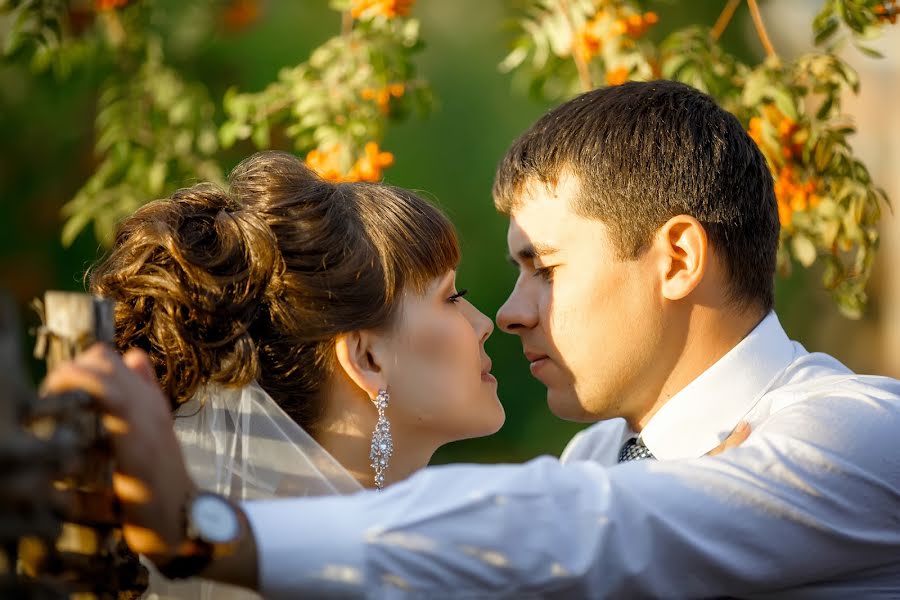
257 282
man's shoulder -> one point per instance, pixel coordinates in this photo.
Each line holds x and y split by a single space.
821 376
818 394
598 443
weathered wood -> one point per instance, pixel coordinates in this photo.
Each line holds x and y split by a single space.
58 516
27 467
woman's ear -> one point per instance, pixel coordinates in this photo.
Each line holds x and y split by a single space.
685 255
357 355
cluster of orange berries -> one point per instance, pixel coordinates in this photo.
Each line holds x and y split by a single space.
104 5
387 8
240 14
369 167
887 11
792 192
382 97
590 38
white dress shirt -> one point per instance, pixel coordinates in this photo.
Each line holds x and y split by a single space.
808 506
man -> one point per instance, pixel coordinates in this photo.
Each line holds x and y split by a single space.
643 222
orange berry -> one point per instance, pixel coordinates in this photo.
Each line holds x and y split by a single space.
785 214
240 14
798 200
387 8
786 127
586 45
617 76
326 162
103 5
369 167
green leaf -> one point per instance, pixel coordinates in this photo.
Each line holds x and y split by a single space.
872 52
785 102
827 30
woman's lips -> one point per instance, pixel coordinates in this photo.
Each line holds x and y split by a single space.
486 373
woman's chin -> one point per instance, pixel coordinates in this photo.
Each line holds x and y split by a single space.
497 420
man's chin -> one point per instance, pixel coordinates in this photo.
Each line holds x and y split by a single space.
566 406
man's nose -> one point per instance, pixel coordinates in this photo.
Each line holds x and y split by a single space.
517 313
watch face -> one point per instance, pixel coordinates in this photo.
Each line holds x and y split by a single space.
214 519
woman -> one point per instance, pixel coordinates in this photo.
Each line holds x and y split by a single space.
338 301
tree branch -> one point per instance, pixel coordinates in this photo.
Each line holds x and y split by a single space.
761 28
724 19
584 74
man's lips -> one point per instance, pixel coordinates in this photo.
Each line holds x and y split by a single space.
534 356
537 360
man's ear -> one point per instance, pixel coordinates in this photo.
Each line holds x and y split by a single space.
683 248
356 354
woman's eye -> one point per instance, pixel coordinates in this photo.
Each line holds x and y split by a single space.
455 297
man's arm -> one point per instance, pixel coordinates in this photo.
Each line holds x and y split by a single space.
812 495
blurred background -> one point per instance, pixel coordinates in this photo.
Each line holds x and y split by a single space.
47 138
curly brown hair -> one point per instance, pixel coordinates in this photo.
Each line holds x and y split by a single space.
256 282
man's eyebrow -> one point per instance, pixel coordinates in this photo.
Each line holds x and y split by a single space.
532 251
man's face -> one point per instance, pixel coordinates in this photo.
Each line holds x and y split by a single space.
589 321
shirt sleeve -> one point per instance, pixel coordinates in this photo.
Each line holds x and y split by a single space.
813 494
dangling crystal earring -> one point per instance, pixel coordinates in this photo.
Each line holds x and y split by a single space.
382 444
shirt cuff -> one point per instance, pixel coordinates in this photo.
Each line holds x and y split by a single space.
308 546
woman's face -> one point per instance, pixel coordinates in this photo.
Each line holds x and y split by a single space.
439 380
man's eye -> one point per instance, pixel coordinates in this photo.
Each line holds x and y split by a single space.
545 273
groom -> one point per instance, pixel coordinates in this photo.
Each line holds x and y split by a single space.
644 226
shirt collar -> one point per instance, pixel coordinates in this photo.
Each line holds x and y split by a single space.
697 419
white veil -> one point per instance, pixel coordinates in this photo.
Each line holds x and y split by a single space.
239 443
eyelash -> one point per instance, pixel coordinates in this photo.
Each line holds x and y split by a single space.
545 273
455 297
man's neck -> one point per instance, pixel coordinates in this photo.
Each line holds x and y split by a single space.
709 335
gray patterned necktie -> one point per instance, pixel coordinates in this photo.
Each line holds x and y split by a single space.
634 449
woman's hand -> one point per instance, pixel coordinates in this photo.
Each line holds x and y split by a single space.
736 438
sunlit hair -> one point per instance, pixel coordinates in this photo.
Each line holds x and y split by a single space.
256 282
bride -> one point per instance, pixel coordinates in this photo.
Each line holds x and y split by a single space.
310 335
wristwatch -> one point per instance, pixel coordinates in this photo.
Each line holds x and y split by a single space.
212 529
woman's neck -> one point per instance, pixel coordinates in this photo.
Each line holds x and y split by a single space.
352 451
345 432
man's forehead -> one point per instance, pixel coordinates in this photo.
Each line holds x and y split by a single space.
562 190
530 236
543 214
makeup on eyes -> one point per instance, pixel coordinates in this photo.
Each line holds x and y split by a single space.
455 297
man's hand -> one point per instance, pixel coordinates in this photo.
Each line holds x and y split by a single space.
736 438
151 480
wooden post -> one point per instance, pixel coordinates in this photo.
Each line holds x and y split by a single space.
89 556
26 469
